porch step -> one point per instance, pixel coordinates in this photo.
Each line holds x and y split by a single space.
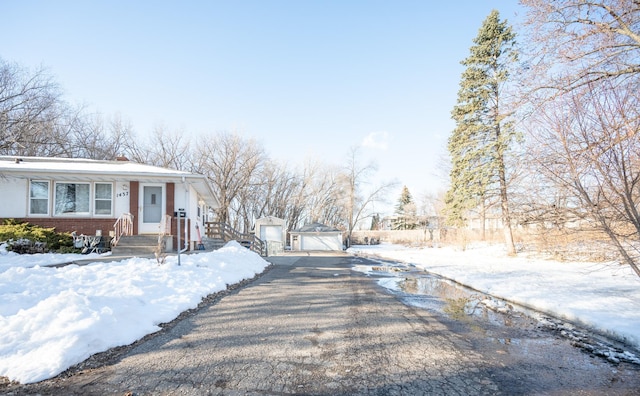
136 245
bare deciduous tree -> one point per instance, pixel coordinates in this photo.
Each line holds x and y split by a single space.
358 199
232 165
576 42
313 198
29 106
164 148
587 142
99 138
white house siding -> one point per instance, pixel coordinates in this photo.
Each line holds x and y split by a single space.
186 197
13 198
192 212
121 202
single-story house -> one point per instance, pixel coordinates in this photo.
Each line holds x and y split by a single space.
89 196
316 236
273 231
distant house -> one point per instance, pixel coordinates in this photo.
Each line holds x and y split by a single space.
273 231
89 196
316 236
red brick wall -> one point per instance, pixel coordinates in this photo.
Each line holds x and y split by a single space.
81 226
171 198
171 208
134 188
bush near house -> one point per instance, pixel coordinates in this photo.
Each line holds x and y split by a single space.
23 237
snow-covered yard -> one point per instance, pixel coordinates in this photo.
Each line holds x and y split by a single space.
53 318
602 296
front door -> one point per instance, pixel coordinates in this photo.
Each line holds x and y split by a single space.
152 208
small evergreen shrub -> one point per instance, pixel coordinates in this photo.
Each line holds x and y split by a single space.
19 235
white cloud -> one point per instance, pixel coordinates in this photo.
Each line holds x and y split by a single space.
376 140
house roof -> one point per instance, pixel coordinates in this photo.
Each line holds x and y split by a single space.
77 169
316 227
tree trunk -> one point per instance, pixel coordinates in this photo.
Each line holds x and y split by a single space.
506 216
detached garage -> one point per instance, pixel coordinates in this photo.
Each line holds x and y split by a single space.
273 231
316 236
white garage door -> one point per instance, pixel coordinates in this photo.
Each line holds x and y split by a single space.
271 233
321 242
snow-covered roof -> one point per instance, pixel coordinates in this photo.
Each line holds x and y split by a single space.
82 166
316 227
71 169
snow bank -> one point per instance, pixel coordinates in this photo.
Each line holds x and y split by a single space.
53 318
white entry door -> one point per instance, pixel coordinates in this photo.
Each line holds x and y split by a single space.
152 206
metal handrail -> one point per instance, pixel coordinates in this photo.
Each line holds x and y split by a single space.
227 233
122 227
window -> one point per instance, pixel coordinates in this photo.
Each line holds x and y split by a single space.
39 198
103 199
72 198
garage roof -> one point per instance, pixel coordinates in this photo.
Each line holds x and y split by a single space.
316 227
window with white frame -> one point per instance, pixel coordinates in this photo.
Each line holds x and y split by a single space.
72 198
103 199
39 198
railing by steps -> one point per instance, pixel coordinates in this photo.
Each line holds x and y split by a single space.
122 226
227 233
163 230
165 225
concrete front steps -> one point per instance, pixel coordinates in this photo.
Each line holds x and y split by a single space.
139 245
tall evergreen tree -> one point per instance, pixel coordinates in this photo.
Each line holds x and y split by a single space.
481 137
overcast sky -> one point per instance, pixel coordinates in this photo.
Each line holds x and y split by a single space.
305 78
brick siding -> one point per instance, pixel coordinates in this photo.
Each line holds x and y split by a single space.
81 226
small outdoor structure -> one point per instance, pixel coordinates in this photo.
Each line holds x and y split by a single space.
90 197
273 231
316 236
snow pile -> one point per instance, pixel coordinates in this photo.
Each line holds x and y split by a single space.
53 318
603 297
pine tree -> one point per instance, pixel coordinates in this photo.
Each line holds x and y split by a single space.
481 137
405 211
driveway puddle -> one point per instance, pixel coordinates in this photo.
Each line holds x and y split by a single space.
482 312
428 291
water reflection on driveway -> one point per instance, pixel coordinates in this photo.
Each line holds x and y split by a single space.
484 313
